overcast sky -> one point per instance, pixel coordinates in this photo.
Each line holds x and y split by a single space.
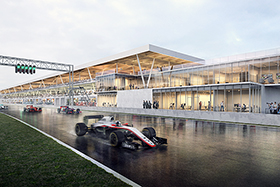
81 31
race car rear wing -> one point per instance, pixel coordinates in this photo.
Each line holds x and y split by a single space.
97 117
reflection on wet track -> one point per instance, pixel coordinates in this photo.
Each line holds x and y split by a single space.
198 153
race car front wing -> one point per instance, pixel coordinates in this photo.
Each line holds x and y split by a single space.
159 141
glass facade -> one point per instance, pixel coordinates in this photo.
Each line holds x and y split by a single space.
243 97
236 84
264 70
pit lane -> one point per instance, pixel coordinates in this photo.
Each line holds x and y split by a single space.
197 154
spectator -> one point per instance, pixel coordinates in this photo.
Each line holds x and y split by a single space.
157 105
209 106
144 104
222 106
200 103
270 106
243 108
182 106
275 108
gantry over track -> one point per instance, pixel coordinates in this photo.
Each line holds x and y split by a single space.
45 65
13 61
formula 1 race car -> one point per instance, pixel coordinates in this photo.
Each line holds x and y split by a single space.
68 110
31 108
3 107
118 134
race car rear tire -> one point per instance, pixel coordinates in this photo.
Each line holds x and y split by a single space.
149 132
78 111
116 138
81 129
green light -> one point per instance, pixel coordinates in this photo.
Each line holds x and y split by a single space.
18 66
22 67
34 68
26 67
30 67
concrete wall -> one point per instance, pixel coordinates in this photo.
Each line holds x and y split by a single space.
133 98
233 117
236 117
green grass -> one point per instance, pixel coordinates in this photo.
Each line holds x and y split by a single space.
28 158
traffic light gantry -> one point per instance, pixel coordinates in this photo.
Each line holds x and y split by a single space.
28 69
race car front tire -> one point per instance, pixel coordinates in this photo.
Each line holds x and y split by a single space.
116 138
81 129
149 132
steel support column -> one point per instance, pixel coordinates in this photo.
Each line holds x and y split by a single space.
44 84
150 73
61 79
249 99
140 71
89 74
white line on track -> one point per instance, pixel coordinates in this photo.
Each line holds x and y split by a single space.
119 176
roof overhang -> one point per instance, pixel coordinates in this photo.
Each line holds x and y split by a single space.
146 53
125 62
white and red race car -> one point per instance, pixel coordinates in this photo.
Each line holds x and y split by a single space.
123 135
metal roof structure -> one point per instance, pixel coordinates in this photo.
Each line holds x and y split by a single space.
129 62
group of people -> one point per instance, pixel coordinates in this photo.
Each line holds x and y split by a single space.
148 104
131 86
274 108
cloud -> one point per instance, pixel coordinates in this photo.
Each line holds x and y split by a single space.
76 32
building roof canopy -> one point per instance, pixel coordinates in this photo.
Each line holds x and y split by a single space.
125 62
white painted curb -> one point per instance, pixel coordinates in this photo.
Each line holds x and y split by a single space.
117 175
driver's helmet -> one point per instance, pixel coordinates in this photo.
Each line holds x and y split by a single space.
118 123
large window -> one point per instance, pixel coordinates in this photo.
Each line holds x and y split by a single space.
223 72
274 68
236 72
217 74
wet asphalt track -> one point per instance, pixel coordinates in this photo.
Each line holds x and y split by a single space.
197 154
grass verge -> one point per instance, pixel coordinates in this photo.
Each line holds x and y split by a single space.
28 158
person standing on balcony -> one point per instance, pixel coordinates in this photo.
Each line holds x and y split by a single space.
222 106
209 106
275 108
